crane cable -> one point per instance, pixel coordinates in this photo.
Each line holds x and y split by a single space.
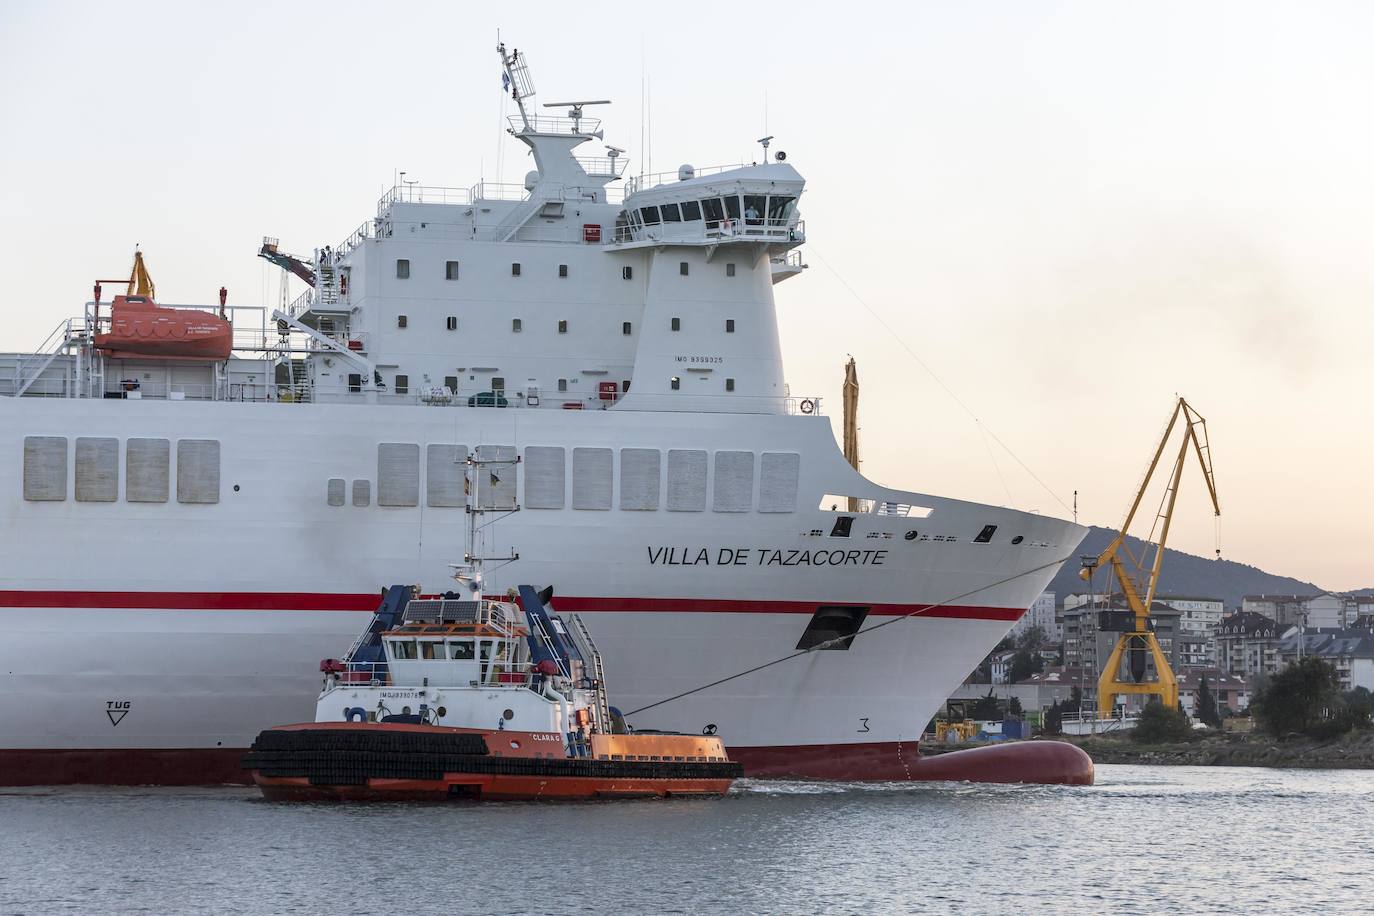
850 638
939 381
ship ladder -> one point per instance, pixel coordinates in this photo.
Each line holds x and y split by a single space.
592 658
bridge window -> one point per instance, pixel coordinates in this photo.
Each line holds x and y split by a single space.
671 214
401 648
755 206
714 210
627 272
780 208
691 210
515 269
402 269
649 215
626 328
732 207
450 270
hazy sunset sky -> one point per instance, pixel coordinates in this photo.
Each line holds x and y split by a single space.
1068 211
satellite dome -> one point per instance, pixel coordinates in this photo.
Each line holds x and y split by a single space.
685 172
531 179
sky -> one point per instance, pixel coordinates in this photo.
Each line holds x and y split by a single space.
1033 224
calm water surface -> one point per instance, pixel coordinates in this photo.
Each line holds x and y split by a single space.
1143 840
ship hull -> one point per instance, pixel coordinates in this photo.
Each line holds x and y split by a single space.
175 632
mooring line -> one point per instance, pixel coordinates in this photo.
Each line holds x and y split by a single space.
830 642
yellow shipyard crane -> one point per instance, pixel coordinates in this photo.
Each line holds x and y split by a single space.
1137 639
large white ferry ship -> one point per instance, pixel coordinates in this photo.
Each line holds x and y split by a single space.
190 529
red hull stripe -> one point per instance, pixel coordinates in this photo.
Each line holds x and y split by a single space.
323 601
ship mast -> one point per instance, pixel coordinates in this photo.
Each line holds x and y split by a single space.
483 477
515 76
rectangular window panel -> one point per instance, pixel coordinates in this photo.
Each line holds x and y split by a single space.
402 385
334 491
450 270
444 466
402 269
545 473
778 476
146 467
45 468
496 482
362 493
690 210
734 487
398 474
591 478
627 272
639 473
686 480
670 213
198 471
97 470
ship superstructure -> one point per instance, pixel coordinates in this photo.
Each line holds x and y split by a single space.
194 526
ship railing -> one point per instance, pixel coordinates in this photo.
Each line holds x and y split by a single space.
367 230
638 183
498 190
547 124
782 229
407 193
370 673
603 166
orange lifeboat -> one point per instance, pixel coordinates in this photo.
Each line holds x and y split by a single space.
140 328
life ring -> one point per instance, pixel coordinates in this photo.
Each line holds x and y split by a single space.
807 405
353 711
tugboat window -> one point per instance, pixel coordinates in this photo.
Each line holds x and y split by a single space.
833 623
461 650
431 649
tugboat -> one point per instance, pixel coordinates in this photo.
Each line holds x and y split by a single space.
461 696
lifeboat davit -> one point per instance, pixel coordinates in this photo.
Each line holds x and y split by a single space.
141 328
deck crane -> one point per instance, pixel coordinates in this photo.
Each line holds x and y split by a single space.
270 251
1137 639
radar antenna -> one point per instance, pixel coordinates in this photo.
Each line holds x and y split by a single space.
575 110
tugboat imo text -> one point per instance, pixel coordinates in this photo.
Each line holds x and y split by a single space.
762 556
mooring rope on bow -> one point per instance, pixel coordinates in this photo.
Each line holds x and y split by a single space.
839 639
